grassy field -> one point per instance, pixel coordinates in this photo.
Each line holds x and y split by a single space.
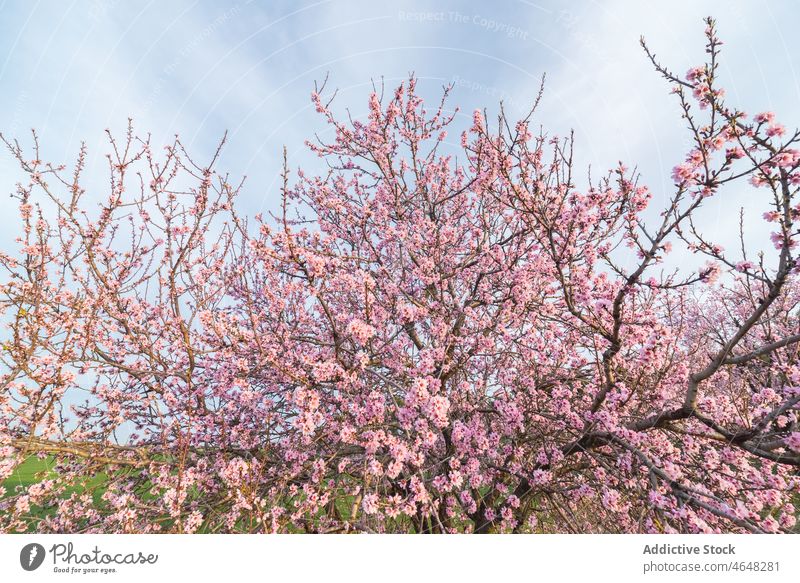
29 472
34 470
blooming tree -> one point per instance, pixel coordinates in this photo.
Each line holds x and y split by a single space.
418 341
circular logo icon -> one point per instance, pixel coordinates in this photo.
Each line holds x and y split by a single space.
31 556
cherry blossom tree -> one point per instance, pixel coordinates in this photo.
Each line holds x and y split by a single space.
425 338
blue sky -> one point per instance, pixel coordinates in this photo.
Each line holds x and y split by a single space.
70 69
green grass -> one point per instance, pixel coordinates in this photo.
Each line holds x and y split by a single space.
35 469
29 472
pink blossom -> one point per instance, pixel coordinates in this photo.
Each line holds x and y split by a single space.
764 117
360 330
710 272
735 153
694 73
776 130
370 504
437 409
